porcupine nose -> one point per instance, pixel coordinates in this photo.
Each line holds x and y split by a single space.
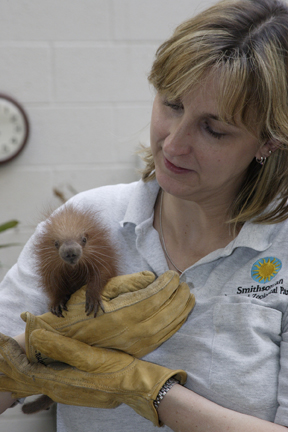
70 252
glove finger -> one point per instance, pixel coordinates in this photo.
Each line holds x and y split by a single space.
127 283
78 354
60 382
21 394
177 306
66 393
15 387
11 354
15 365
148 323
159 290
116 286
139 349
152 338
5 368
9 385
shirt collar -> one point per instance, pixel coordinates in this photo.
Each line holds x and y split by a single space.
141 203
254 236
141 207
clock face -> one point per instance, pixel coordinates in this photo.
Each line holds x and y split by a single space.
14 129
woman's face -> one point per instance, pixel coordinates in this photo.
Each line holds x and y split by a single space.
198 157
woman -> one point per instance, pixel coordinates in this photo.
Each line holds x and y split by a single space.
212 205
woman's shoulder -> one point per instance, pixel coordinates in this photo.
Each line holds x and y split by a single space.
105 196
109 202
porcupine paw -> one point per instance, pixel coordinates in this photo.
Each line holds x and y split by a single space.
92 304
57 308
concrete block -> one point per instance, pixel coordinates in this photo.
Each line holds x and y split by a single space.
35 20
151 19
25 72
25 194
71 135
103 73
132 128
17 238
84 178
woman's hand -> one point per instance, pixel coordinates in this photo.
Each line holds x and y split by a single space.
99 377
140 314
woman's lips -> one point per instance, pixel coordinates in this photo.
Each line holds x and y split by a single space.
175 169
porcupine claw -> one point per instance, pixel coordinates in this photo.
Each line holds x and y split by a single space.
92 305
58 308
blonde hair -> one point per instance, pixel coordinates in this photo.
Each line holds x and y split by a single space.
244 42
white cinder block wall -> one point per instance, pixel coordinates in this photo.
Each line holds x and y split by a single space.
79 68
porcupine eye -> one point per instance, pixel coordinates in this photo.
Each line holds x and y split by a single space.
84 240
56 244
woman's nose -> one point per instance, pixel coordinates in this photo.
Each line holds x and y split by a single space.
178 141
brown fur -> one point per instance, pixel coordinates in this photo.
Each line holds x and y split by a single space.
96 265
73 250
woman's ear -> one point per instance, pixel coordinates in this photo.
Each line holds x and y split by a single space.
267 149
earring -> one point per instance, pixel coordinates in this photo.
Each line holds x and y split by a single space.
261 161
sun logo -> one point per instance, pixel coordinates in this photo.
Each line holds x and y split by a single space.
266 269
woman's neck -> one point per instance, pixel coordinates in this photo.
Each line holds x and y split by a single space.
190 231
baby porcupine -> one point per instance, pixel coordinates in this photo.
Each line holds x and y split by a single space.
73 250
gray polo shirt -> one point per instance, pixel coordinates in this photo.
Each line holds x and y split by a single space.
234 341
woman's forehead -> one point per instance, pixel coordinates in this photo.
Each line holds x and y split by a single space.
208 92
215 97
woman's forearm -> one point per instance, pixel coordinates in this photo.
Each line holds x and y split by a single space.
184 411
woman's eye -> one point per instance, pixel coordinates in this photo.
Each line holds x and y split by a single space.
215 134
176 106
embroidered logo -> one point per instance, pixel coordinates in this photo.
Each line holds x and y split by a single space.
265 269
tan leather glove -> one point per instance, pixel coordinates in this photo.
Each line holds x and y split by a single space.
139 315
100 377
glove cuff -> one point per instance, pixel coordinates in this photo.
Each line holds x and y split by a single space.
164 390
145 406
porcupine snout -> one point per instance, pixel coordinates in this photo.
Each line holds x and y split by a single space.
71 252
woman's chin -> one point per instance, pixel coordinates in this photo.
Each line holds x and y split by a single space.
174 186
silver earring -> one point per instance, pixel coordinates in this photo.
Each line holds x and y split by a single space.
261 161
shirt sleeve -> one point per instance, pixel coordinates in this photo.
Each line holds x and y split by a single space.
20 292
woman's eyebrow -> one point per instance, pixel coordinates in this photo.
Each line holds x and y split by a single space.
217 118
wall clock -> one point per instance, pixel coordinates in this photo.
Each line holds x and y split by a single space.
14 128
